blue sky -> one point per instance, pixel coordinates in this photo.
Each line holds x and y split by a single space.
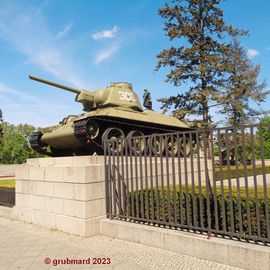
88 44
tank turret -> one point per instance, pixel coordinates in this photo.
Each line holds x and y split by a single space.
116 95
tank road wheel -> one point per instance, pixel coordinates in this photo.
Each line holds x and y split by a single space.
156 144
92 128
172 144
136 145
116 135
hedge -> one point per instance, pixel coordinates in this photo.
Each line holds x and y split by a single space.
154 199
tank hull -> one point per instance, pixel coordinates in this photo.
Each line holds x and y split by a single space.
69 137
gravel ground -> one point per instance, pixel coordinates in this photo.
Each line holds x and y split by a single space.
42 242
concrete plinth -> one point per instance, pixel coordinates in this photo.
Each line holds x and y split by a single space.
66 193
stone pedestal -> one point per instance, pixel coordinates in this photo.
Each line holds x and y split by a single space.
66 193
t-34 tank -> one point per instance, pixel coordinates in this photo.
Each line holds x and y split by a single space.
112 112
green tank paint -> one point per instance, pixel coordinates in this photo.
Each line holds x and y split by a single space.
114 107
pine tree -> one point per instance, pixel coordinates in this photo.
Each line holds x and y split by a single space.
199 59
242 87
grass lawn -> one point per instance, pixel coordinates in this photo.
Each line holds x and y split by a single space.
7 183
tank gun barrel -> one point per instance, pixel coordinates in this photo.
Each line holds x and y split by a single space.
70 89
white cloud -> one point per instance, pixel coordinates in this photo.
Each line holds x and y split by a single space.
251 53
106 53
65 30
106 33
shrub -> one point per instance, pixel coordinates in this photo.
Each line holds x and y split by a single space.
178 208
14 146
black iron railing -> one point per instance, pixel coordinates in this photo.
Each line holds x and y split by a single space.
7 196
215 181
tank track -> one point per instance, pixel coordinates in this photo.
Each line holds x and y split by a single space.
81 133
80 130
35 142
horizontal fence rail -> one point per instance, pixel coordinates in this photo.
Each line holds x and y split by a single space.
215 181
7 196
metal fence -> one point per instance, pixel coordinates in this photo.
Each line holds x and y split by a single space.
7 196
212 181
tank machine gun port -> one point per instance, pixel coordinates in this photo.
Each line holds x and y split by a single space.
114 112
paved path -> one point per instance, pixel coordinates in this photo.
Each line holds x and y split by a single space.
25 246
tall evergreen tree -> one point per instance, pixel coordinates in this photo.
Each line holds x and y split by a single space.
242 87
199 56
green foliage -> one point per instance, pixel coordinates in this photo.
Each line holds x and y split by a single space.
267 150
15 148
264 130
241 87
264 149
263 139
216 151
199 56
179 205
